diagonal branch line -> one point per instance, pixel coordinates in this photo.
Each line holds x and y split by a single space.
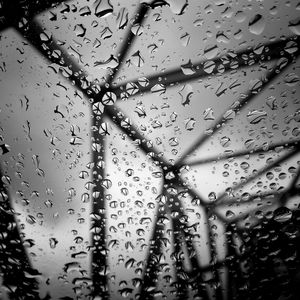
280 160
250 198
245 214
269 196
222 199
243 101
232 155
230 63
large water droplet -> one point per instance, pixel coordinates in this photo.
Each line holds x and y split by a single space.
257 24
294 26
103 8
282 214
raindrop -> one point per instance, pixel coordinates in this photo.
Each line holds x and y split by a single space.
103 8
6 180
122 18
137 59
229 115
131 88
282 214
48 203
225 141
98 108
111 63
53 242
45 37
188 68
109 98
158 88
294 26
80 30
257 24
190 124
124 191
178 7
125 293
83 175
291 47
229 214
72 267
185 39
186 93
137 29
85 197
291 79
211 51
208 114
106 183
209 66
272 102
143 81
212 196
156 124
244 165
240 16
84 11
255 116
130 263
198 22
106 33
173 142
30 219
80 254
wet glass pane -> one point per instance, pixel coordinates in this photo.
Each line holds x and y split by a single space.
149 149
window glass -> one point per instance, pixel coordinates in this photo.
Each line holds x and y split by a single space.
149 149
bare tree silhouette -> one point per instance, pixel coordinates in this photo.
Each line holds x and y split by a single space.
253 272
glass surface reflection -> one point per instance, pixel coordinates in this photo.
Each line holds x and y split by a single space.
149 150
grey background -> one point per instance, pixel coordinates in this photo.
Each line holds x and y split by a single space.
28 75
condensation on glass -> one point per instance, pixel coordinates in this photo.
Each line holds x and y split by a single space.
149 149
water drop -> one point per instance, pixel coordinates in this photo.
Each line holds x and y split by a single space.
256 116
208 114
282 214
294 26
189 124
186 93
212 196
53 242
103 8
257 24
